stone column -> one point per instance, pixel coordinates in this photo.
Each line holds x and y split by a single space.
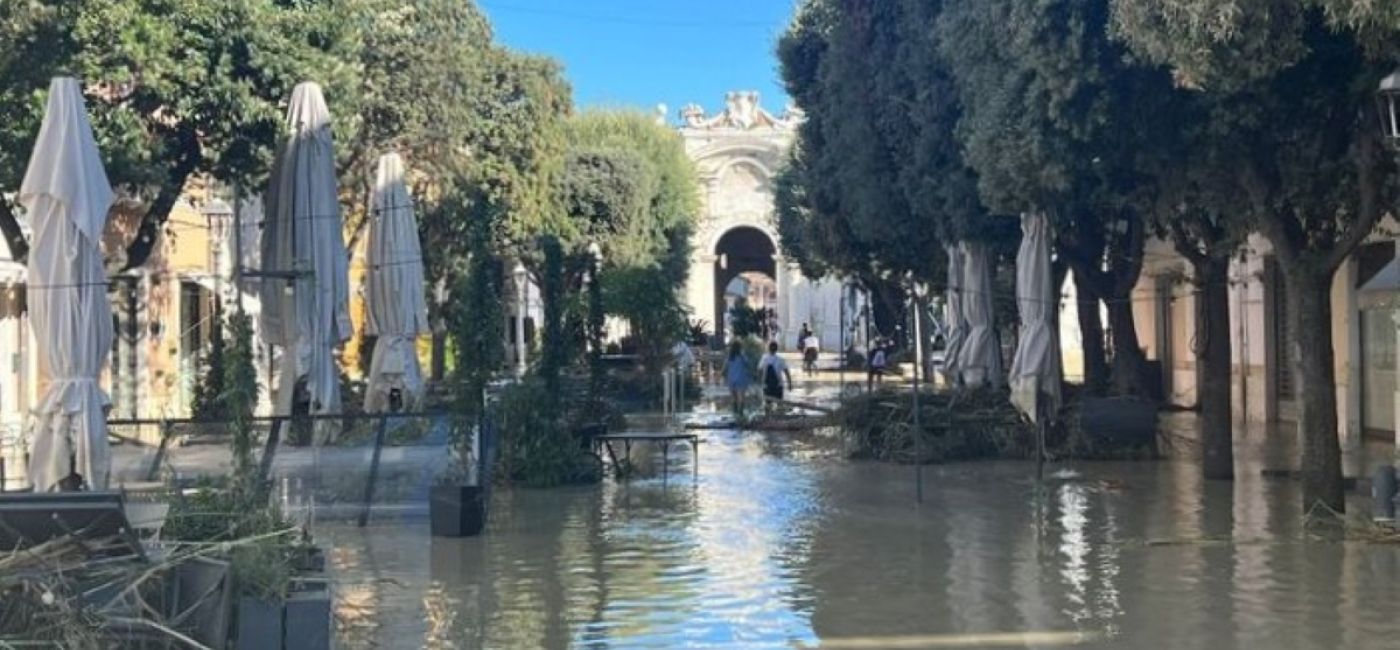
700 291
784 284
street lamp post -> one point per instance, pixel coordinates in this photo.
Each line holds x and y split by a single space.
595 320
841 342
916 296
1388 110
522 295
1388 105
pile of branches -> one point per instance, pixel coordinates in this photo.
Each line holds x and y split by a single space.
39 589
952 426
962 425
72 593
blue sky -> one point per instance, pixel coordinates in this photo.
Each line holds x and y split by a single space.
639 53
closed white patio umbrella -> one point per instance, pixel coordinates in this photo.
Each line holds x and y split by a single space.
66 195
306 313
1035 370
955 329
980 356
398 313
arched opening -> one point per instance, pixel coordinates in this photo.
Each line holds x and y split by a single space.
744 268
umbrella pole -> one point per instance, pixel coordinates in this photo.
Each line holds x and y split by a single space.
373 469
274 437
1040 425
918 429
841 341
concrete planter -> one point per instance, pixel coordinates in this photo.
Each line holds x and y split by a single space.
302 622
308 616
203 597
457 510
259 624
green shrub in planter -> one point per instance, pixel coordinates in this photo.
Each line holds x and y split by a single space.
212 513
538 448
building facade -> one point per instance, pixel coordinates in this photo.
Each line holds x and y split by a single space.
736 250
1263 385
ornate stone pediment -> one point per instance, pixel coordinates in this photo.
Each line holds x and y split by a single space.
742 112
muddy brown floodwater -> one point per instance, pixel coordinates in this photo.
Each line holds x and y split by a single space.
780 543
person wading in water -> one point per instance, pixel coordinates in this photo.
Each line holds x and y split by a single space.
773 369
737 376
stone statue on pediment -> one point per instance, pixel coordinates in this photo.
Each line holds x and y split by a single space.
741 109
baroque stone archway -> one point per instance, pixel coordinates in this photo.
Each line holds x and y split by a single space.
737 152
740 252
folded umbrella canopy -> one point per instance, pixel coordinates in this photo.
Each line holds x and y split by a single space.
398 314
66 195
980 356
955 329
1035 370
306 312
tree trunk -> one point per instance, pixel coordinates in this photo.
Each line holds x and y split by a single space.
1130 374
14 235
438 364
139 250
1212 350
1310 302
1091 330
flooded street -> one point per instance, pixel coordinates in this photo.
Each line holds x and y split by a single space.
780 543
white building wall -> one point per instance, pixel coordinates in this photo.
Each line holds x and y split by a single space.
1170 333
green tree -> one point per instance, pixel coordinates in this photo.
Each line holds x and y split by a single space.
175 87
1309 164
647 301
238 398
418 67
606 194
666 185
866 190
557 345
515 155
477 319
631 189
1054 122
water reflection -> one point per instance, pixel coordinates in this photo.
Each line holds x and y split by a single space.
777 544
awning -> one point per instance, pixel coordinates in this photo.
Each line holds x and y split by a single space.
1382 291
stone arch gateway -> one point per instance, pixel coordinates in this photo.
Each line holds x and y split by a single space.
737 153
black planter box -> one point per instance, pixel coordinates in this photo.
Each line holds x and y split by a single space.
457 510
308 616
259 624
1120 421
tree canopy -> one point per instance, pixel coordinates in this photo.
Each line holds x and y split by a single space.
875 175
649 183
194 88
1198 121
175 88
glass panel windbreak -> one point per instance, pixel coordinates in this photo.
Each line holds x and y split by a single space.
319 470
1378 367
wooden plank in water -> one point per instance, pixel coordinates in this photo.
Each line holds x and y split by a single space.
800 405
643 437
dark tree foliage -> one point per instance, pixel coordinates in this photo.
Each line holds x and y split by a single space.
1055 120
876 175
176 88
557 345
477 319
606 194
1304 159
